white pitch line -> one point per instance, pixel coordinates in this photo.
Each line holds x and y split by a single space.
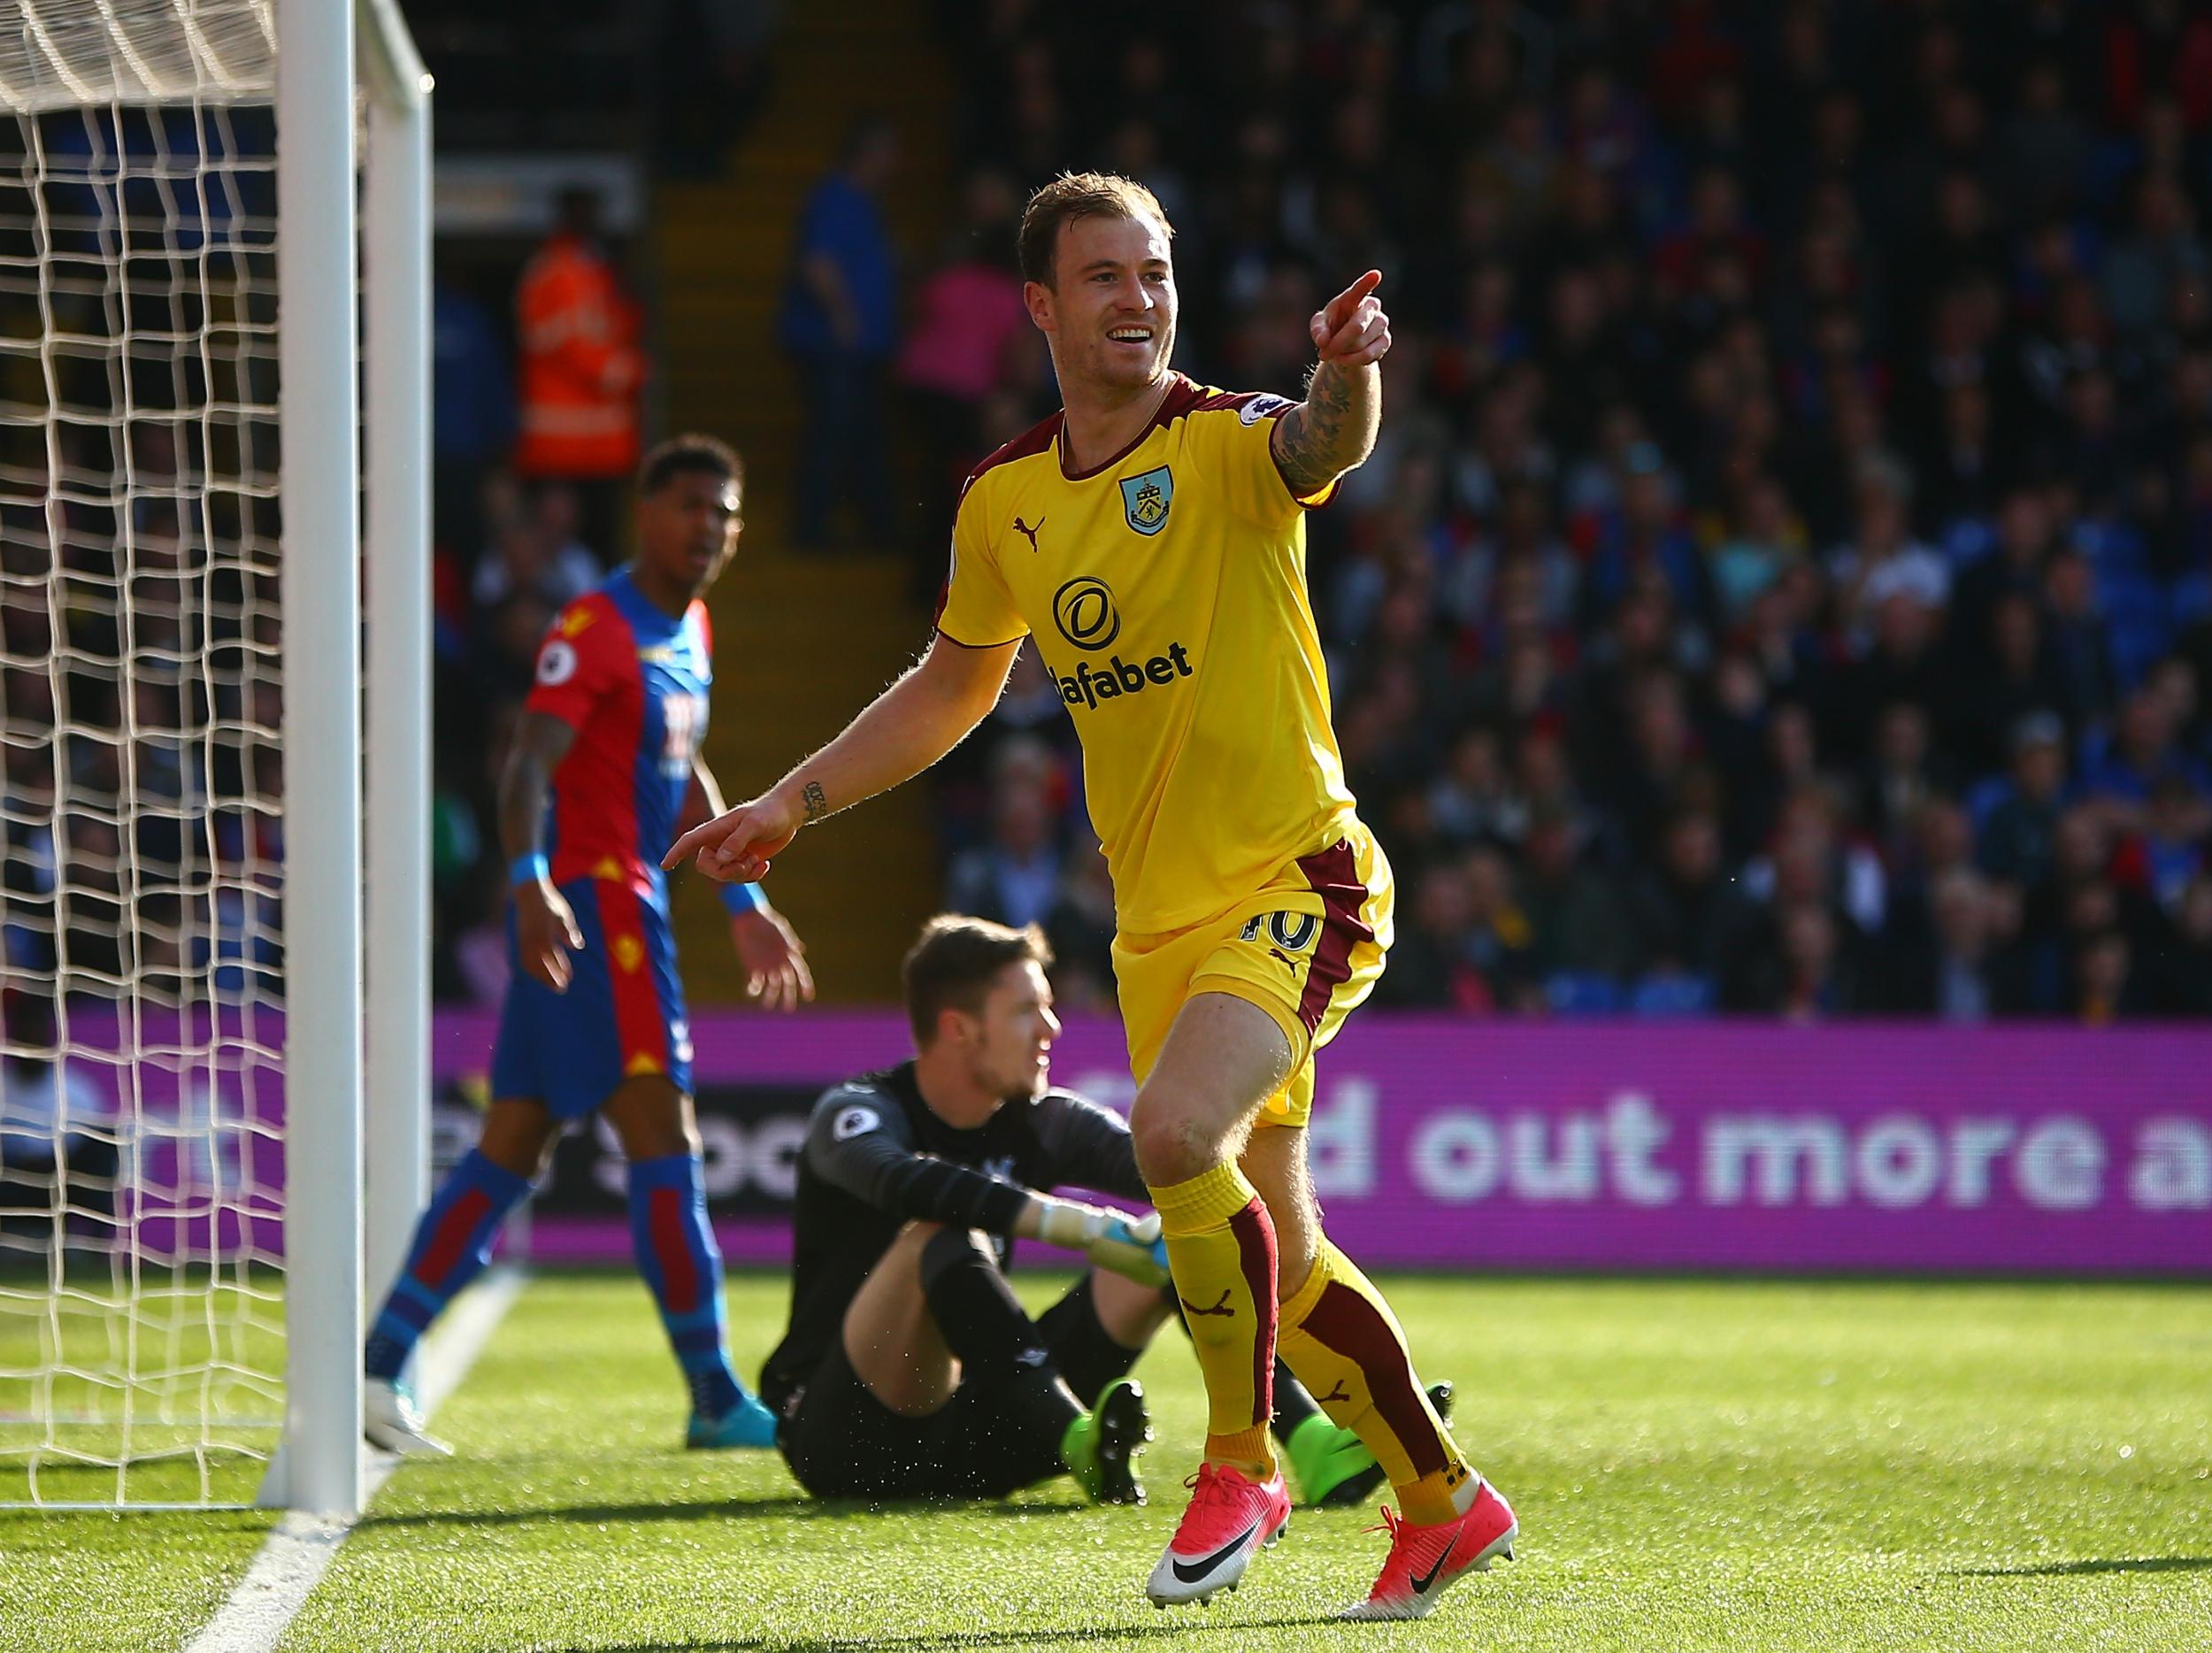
299 1549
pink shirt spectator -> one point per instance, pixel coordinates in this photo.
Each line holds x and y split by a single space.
964 319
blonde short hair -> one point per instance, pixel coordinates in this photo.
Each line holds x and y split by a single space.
1072 196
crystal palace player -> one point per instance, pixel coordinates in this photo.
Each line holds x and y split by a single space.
1150 536
910 1370
605 760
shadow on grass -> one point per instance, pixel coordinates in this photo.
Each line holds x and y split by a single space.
2079 1569
792 1506
952 1641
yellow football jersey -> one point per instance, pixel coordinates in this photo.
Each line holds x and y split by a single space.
1166 589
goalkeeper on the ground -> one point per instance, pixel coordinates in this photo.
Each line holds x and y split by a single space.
910 1369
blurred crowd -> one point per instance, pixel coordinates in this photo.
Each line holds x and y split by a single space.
1783 585
141 828
1784 582
141 837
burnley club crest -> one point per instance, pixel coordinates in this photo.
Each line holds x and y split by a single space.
1145 499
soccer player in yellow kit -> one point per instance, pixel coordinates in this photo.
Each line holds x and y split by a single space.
1151 537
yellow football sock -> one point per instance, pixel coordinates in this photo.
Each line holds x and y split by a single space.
1340 1337
1221 1251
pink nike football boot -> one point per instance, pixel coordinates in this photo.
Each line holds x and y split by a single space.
1230 1518
1424 1561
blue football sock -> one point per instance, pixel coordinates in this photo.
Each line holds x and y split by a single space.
452 1244
682 1264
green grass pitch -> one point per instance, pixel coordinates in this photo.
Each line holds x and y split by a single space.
1695 1464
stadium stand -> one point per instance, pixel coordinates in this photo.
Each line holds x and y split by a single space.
1784 585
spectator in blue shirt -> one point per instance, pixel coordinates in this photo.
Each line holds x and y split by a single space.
472 410
2142 752
2020 815
840 321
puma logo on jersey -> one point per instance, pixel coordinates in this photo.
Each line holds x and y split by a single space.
1028 533
1221 1308
1336 1394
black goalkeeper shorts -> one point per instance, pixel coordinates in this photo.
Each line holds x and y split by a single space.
842 1442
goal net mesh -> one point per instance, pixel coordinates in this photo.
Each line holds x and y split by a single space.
141 700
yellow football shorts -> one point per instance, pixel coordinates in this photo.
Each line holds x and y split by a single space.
1306 949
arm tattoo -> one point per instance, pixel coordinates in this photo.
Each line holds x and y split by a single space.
814 801
540 742
1330 431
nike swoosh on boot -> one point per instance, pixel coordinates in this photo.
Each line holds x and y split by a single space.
1422 1581
1191 1571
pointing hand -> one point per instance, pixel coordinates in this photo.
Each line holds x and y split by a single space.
1351 330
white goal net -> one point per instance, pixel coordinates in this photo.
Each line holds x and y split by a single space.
142 701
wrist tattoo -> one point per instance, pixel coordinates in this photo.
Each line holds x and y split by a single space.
814 800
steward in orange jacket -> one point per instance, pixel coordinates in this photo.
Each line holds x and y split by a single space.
582 366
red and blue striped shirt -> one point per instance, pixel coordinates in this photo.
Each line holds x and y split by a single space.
633 681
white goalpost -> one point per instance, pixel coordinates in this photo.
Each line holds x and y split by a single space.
214 924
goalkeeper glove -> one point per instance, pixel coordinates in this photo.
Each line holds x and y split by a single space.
1132 1247
1112 1240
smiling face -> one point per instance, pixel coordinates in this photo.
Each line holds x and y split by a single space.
1108 312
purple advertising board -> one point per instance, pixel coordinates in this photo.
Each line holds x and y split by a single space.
195 1105
1437 1141
1448 1143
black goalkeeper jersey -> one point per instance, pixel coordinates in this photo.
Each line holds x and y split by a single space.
877 1158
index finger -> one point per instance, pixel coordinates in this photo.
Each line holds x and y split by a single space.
695 839
1339 309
